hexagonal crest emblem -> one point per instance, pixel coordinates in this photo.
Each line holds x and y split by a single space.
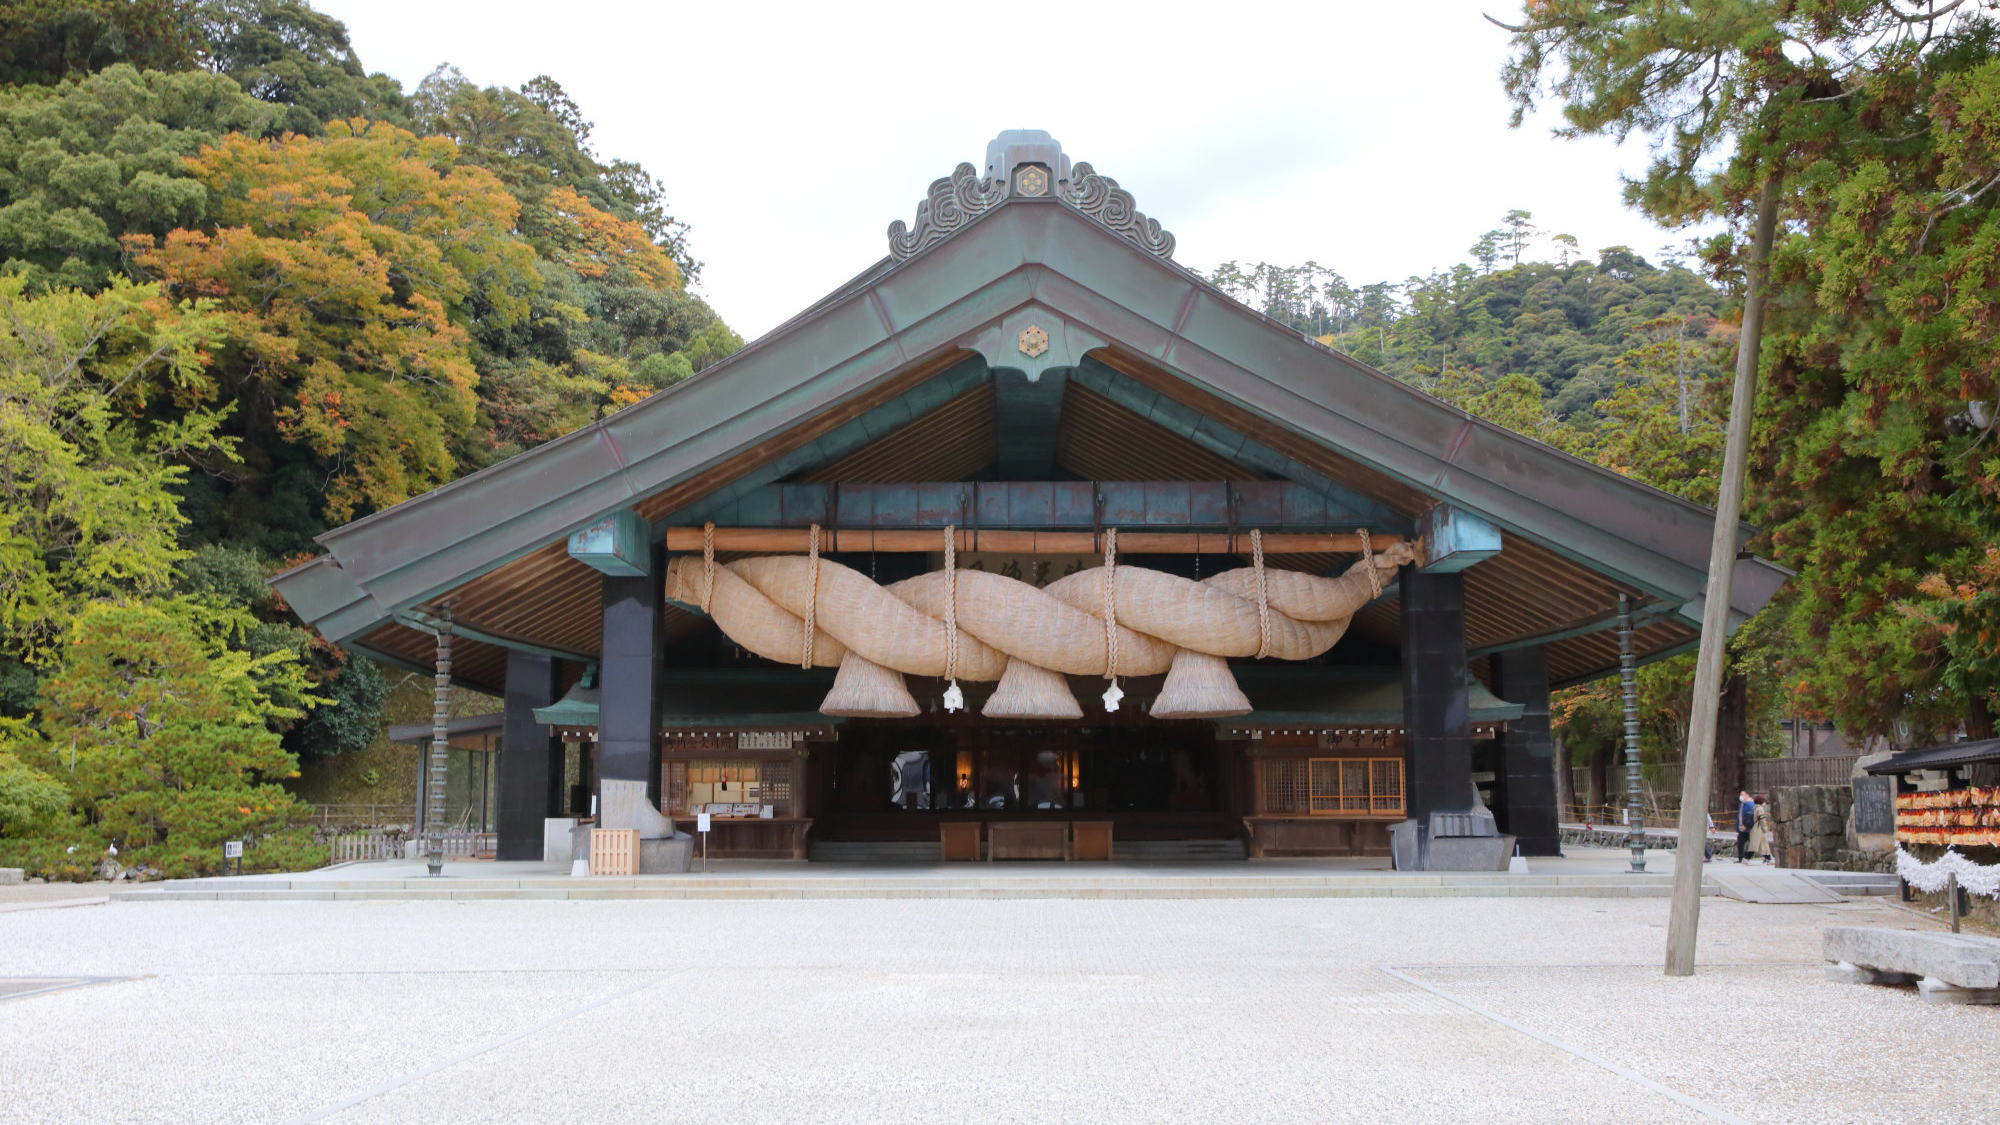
1031 179
1034 341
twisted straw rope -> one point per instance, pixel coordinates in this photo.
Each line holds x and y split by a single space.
893 626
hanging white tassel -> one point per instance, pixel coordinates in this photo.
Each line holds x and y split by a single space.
954 699
1112 695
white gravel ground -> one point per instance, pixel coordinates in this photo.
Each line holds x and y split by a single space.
942 1010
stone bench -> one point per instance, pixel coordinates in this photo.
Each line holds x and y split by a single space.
1946 968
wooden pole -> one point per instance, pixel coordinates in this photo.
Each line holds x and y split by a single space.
793 540
1699 766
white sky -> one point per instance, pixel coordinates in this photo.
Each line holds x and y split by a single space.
1353 134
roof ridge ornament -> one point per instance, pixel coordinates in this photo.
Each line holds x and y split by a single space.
1102 199
1027 163
953 201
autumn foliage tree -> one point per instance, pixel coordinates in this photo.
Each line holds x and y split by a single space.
346 268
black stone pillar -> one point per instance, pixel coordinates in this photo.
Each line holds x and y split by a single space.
1528 753
530 758
628 718
1436 711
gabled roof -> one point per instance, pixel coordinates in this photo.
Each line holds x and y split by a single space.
1172 345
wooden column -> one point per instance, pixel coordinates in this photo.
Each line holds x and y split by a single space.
628 724
1436 707
1528 754
530 758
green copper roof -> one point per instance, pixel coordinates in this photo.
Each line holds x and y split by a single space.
1038 259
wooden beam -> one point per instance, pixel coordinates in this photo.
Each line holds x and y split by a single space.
795 540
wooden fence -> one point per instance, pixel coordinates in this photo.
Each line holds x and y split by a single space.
349 847
330 816
1761 775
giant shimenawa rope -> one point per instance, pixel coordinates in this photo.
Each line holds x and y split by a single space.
979 626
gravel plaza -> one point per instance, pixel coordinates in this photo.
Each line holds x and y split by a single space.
1050 1009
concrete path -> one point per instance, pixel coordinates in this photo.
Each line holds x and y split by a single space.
1055 1010
1585 873
1750 882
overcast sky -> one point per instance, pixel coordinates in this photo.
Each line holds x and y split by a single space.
1367 137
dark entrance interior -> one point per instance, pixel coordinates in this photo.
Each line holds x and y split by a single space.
898 780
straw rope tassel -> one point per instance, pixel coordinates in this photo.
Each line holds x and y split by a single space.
1368 557
708 568
1113 693
812 600
1263 593
954 699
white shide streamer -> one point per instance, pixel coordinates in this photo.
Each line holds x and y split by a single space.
1932 877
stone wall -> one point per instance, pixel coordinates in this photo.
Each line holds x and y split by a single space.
1813 828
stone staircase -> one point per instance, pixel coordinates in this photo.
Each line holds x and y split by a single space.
1854 883
873 851
923 851
1280 879
1178 851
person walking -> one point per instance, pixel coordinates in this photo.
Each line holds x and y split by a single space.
1746 819
1763 837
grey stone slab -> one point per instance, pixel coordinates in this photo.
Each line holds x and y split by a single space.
1939 992
1963 960
1845 973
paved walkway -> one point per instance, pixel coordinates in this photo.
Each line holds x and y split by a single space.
925 1010
1584 872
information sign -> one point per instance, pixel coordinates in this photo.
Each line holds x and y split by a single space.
1874 805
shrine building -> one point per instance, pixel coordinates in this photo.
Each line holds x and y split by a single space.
1214 589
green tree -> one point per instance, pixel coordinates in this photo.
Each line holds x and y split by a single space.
90 454
162 732
104 156
1520 233
47 41
285 53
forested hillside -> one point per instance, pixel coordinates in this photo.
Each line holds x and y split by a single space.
1615 359
249 290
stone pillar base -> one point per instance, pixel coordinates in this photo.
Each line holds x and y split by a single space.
666 856
1469 853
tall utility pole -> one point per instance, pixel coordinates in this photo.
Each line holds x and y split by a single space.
1700 765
